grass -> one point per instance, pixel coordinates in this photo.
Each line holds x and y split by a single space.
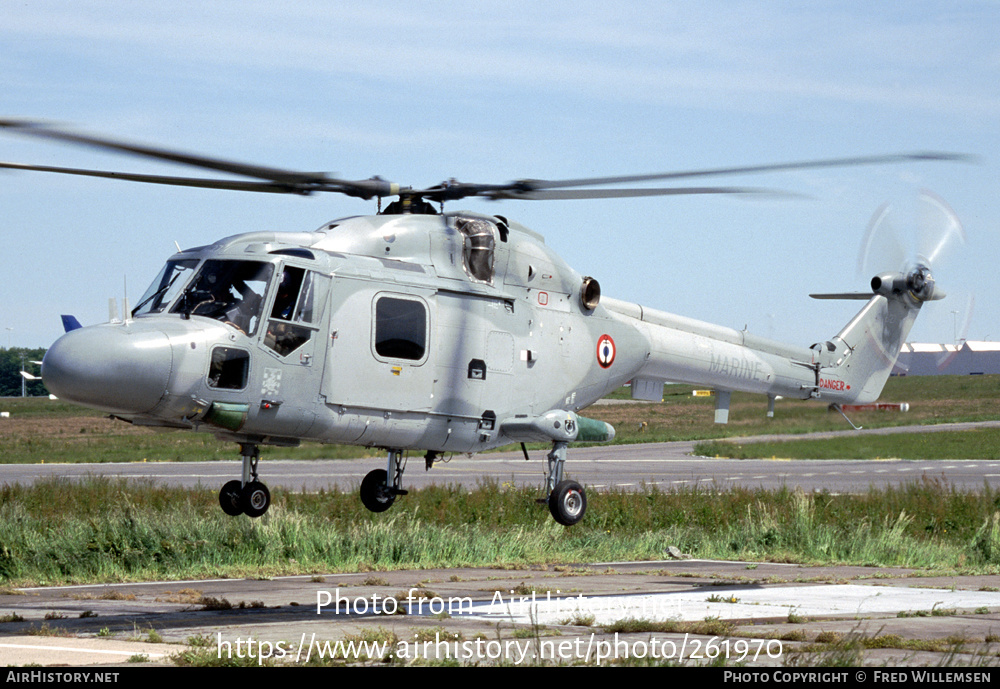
932 400
109 530
51 431
980 443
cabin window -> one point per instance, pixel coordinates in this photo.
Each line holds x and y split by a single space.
230 368
400 328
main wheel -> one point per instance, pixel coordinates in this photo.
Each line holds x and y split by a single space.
255 499
375 495
229 498
567 503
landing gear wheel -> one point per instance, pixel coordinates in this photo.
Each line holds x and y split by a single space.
229 498
567 503
255 499
375 494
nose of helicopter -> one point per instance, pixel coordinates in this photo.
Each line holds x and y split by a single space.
110 368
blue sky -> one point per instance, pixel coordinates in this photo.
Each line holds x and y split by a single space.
422 92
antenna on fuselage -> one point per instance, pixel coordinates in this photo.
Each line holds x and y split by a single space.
126 313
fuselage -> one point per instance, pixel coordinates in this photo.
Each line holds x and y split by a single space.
393 331
448 333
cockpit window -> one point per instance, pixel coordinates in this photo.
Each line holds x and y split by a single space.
166 286
312 298
228 291
296 310
288 292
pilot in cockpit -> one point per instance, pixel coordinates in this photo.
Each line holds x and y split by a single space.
225 291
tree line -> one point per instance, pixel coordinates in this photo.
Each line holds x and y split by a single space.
10 372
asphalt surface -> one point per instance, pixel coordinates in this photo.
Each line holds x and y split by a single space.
683 611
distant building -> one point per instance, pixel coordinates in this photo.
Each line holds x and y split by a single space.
969 358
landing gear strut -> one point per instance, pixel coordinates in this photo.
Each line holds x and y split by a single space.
567 500
247 496
378 492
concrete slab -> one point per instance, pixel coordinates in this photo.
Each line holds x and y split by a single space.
785 614
78 652
735 603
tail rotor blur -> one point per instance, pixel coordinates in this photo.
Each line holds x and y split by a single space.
925 245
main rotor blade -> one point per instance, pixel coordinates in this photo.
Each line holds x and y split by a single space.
235 185
290 181
573 194
41 130
750 169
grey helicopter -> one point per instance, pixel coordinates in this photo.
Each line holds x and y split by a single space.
420 330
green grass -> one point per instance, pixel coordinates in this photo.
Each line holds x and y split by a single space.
42 430
111 530
983 443
43 407
932 400
170 446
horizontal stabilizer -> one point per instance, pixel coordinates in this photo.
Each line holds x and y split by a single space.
863 296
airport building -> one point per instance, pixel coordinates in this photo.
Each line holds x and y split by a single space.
968 358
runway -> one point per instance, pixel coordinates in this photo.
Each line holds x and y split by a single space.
624 467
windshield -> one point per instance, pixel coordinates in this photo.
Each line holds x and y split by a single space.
166 286
228 291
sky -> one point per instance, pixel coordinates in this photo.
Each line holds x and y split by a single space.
490 92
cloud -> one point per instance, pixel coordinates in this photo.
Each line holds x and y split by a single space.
734 55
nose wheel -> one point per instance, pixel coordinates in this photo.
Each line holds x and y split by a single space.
248 496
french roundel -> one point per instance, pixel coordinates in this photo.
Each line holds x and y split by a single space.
605 351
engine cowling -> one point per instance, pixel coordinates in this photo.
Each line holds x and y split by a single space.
918 284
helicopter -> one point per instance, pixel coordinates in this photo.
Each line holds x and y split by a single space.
420 330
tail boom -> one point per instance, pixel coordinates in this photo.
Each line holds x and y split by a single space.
853 366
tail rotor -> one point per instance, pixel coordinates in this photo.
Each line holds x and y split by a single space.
924 261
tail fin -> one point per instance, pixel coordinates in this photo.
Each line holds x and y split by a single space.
70 323
859 359
869 346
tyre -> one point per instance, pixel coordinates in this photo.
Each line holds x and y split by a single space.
255 499
375 495
229 498
567 503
